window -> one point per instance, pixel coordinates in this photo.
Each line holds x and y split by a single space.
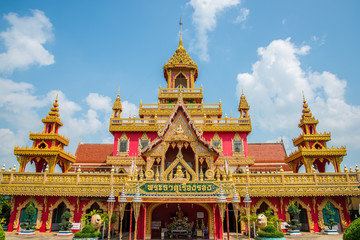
237 145
123 146
181 81
143 141
216 141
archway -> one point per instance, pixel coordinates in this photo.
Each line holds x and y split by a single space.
197 216
24 216
335 217
339 209
263 207
56 218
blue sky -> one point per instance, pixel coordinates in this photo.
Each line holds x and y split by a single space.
273 50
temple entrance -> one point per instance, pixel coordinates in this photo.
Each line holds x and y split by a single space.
126 220
179 220
302 217
24 216
232 222
303 220
263 207
58 212
335 217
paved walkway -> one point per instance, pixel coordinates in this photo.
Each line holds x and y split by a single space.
52 236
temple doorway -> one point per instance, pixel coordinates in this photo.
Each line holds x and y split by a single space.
334 217
24 216
179 220
126 220
56 219
303 220
232 221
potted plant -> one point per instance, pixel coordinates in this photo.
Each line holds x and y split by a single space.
330 220
28 227
293 224
269 232
65 227
88 232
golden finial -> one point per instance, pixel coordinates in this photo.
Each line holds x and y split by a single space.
180 42
118 92
57 95
242 91
303 96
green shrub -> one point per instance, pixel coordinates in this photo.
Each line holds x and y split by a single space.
270 234
30 211
66 226
87 232
2 233
86 235
353 231
269 229
88 229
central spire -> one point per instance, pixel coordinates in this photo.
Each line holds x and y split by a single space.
180 70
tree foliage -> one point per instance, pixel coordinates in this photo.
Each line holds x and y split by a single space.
330 216
30 211
293 211
353 231
66 226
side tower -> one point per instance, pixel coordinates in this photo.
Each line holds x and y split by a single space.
48 146
312 147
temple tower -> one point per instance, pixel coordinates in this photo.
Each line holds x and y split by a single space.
243 107
48 146
312 147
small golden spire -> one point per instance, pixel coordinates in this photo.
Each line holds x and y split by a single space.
118 92
180 42
57 95
303 96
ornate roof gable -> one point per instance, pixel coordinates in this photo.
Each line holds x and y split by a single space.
179 127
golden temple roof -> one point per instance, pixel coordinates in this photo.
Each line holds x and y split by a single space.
53 115
306 117
243 102
180 59
117 104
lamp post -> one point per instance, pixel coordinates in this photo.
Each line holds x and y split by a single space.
111 200
122 205
235 202
221 201
136 205
247 201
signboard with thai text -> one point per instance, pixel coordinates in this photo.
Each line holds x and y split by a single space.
179 187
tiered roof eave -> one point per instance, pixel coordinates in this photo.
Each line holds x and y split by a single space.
325 137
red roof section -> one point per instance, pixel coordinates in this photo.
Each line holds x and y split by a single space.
93 153
268 153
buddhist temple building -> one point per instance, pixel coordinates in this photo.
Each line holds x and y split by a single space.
181 165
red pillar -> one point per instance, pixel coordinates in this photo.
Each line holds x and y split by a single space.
130 229
144 220
227 221
214 222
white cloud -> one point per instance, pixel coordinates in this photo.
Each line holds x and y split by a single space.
24 42
205 18
21 109
129 109
99 102
274 92
244 13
